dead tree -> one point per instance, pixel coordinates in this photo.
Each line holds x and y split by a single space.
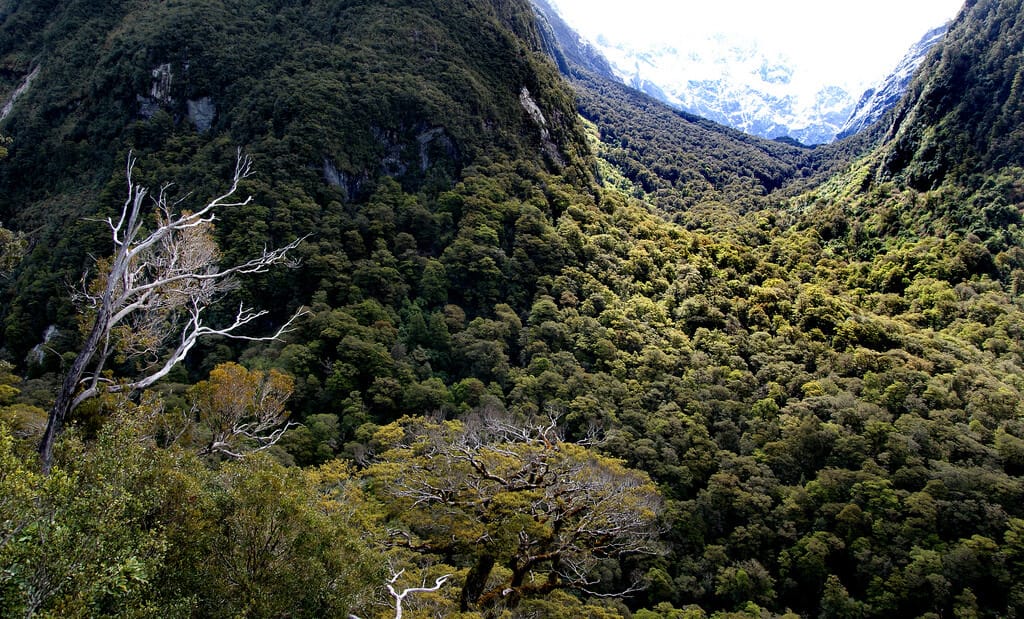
399 596
147 301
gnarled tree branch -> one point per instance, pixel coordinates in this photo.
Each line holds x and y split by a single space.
153 291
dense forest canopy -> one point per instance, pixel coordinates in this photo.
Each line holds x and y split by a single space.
562 351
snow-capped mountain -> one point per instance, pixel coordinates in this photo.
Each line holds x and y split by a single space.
741 84
738 85
883 96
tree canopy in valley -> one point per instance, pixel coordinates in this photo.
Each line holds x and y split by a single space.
567 352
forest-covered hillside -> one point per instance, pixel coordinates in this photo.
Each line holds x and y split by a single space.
558 350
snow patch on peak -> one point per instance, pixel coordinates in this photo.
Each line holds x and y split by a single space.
734 83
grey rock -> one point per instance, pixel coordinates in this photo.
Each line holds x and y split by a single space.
163 78
535 113
20 90
147 107
38 352
202 112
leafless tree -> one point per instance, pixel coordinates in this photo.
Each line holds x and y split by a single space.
146 302
399 596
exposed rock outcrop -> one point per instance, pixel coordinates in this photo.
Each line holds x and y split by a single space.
20 90
201 113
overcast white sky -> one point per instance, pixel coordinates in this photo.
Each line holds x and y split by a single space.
861 40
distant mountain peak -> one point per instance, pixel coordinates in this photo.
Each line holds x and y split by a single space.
734 83
737 83
566 46
884 95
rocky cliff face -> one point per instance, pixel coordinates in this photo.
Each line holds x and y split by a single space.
876 101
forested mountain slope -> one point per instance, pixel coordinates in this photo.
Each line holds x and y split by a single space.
620 363
963 115
326 96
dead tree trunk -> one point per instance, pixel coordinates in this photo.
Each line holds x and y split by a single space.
157 285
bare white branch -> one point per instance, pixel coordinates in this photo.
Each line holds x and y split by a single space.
401 595
147 300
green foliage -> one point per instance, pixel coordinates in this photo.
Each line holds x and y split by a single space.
123 527
284 541
77 542
12 245
821 373
678 161
12 248
966 103
329 98
527 513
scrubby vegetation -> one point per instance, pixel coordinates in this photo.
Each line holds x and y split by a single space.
789 380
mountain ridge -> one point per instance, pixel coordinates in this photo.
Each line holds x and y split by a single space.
793 375
962 108
753 94
569 50
885 95
751 91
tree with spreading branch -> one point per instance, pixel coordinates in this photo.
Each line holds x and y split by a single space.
12 248
145 305
241 411
524 510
